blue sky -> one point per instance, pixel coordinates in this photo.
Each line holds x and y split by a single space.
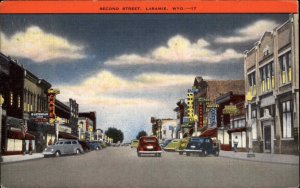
131 67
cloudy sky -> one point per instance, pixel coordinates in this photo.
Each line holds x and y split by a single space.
131 67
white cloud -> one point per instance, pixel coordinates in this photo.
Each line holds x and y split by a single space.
177 50
105 87
39 46
251 32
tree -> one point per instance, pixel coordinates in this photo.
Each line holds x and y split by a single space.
140 134
116 134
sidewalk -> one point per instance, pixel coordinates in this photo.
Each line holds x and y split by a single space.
16 158
262 157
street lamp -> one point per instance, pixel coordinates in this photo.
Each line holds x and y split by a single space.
1 102
249 98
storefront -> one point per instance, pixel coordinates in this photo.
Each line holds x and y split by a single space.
15 135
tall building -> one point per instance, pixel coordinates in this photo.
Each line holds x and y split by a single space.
272 89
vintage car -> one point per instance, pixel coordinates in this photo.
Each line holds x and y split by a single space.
182 145
202 146
94 145
173 145
63 147
149 145
134 144
165 143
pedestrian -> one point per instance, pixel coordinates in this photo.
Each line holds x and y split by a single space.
235 142
23 147
30 147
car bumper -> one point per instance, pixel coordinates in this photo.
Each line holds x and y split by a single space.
48 153
193 151
148 152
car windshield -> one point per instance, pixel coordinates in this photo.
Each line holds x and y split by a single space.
167 141
197 140
135 141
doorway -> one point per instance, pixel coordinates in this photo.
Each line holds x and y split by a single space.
267 139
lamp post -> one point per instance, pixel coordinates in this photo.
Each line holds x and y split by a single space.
56 127
1 102
249 98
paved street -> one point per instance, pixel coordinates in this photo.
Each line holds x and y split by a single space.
120 167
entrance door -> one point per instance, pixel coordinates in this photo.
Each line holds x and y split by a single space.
267 136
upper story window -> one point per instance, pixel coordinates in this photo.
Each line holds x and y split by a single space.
286 67
11 98
267 77
19 101
252 83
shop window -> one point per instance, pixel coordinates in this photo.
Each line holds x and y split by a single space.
286 118
286 67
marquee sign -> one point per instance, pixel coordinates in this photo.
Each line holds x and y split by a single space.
200 117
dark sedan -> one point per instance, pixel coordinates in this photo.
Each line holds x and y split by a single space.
94 145
202 147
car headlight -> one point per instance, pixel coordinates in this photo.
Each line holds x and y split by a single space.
52 149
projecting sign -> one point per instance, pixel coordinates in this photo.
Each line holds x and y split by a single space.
230 109
39 116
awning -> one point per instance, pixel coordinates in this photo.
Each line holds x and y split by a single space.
66 135
240 129
14 134
209 133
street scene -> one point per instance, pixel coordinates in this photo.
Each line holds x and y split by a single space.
140 100
120 167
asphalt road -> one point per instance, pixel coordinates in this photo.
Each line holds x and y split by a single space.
120 167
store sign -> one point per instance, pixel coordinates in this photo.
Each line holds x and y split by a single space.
65 129
213 117
230 109
212 106
200 117
39 116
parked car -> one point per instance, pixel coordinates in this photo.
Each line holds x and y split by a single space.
134 144
84 145
165 143
202 147
63 147
103 144
183 144
94 145
173 145
149 145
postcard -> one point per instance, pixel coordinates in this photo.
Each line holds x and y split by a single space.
149 93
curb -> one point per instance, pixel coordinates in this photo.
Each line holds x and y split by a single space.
20 160
260 161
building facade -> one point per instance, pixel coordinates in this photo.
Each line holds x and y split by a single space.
272 88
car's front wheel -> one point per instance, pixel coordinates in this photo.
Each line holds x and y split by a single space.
57 154
188 154
217 153
139 154
158 155
204 153
180 153
77 151
97 148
